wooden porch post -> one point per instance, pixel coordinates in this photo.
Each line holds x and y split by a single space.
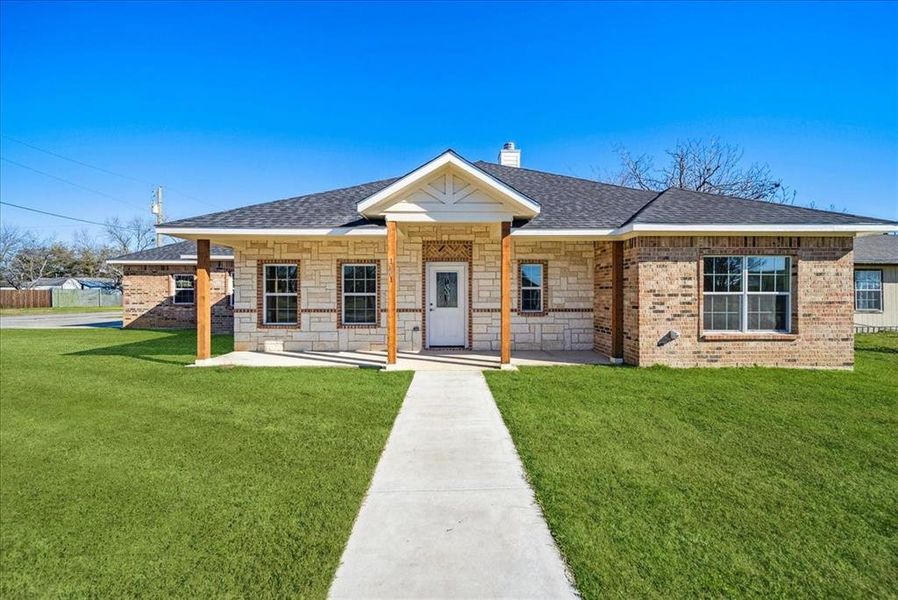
391 292
617 300
202 301
505 286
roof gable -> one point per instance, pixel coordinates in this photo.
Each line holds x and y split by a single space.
448 188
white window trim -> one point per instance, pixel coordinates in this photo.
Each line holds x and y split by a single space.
743 317
266 293
868 310
174 288
229 288
346 294
541 287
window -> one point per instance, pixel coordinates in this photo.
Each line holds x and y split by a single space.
532 287
184 289
229 289
281 302
868 290
747 293
360 294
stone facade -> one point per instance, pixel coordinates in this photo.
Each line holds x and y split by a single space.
147 298
663 294
566 324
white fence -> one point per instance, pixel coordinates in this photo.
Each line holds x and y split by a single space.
98 297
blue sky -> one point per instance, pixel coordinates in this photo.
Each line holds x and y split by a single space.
231 104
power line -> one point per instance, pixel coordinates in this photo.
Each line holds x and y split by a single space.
77 185
77 162
52 214
102 170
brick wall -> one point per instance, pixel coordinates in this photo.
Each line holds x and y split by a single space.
663 293
147 298
566 324
602 298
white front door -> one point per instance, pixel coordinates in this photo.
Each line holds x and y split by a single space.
447 304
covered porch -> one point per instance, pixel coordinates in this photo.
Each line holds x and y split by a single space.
424 360
439 264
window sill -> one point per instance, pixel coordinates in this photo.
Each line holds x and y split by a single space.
868 312
741 336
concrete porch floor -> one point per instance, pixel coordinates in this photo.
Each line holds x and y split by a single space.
425 360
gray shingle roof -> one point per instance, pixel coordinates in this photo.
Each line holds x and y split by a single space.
172 252
876 250
334 208
570 202
565 203
677 206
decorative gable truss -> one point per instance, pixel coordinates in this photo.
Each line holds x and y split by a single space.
448 189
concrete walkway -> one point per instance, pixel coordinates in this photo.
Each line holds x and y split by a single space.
449 513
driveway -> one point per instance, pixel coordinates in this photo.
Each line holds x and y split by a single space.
449 513
66 320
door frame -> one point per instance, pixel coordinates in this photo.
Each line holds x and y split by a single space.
465 278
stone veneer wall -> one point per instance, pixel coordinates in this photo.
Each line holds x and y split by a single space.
147 298
567 323
664 294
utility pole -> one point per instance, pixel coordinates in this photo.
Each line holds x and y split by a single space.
156 209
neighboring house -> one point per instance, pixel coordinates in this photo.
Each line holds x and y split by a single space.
158 289
55 283
486 256
97 283
876 281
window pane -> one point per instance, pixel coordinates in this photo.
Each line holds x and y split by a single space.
280 309
722 312
725 272
360 310
531 300
447 289
532 275
767 312
768 273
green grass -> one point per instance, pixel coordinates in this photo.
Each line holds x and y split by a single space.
123 473
56 310
716 482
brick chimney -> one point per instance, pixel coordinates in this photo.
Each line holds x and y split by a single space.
509 156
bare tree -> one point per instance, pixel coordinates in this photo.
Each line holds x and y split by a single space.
11 240
31 261
704 166
135 235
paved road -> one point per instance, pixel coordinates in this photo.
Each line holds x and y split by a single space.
67 320
449 513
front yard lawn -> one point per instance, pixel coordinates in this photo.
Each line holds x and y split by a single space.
123 473
716 482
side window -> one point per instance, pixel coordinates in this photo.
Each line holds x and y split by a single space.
532 290
359 294
868 290
281 301
184 289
